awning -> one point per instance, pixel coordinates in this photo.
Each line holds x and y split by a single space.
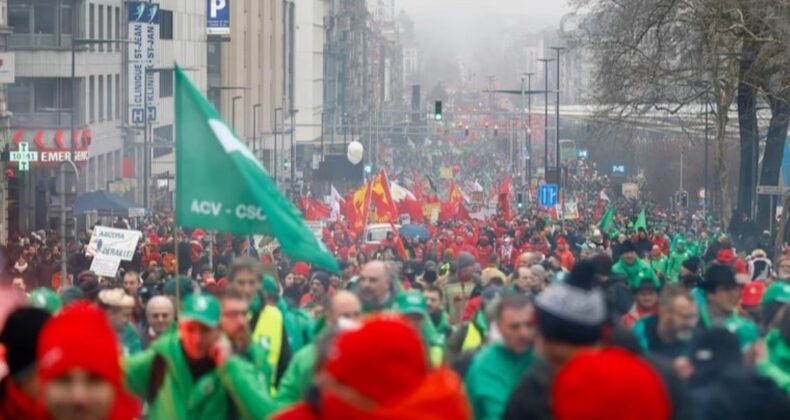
104 203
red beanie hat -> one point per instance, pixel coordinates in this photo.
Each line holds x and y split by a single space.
301 269
383 359
612 384
80 336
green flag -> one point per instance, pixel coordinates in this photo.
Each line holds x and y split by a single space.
221 186
607 219
641 221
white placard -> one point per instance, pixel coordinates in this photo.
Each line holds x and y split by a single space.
105 266
111 242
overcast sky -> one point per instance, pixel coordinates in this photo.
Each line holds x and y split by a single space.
533 11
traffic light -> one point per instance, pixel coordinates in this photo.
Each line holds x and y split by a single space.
286 164
437 111
520 200
466 132
496 131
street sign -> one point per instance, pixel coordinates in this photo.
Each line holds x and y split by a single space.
770 190
23 156
547 195
583 154
618 169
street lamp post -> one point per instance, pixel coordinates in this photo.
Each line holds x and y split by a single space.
293 155
275 144
233 111
545 62
528 136
254 132
72 148
557 119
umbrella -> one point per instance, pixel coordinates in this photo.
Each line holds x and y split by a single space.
411 231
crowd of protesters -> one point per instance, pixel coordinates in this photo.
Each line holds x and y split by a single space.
530 317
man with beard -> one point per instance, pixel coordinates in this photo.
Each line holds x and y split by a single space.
669 333
193 373
376 289
233 322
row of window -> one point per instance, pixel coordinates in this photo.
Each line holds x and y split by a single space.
104 97
96 25
43 18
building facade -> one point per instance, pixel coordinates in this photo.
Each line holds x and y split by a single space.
5 30
247 70
46 101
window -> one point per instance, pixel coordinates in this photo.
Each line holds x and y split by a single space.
109 29
91 23
109 97
19 16
101 98
117 97
101 28
165 24
91 99
66 18
166 84
44 19
117 27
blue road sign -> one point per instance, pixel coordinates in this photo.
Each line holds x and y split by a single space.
583 154
618 169
547 195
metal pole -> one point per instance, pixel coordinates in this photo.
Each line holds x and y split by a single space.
707 196
545 115
233 112
293 155
145 139
557 118
682 152
63 253
529 127
275 145
259 151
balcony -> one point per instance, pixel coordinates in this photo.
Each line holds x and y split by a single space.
41 120
39 41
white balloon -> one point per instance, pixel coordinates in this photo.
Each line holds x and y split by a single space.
355 152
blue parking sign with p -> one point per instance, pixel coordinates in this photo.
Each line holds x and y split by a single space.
218 17
547 195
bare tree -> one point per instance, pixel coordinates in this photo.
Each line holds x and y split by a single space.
668 56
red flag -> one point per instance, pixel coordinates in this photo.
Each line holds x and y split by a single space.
358 207
386 211
399 244
463 213
413 208
314 209
504 198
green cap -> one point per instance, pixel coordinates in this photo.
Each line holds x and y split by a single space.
270 286
411 302
778 291
203 308
45 299
186 286
71 294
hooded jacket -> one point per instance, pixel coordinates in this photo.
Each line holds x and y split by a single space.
235 386
440 396
494 373
777 366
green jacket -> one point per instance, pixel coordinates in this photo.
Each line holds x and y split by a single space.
745 329
676 259
660 264
777 366
636 273
493 374
180 398
298 378
130 340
